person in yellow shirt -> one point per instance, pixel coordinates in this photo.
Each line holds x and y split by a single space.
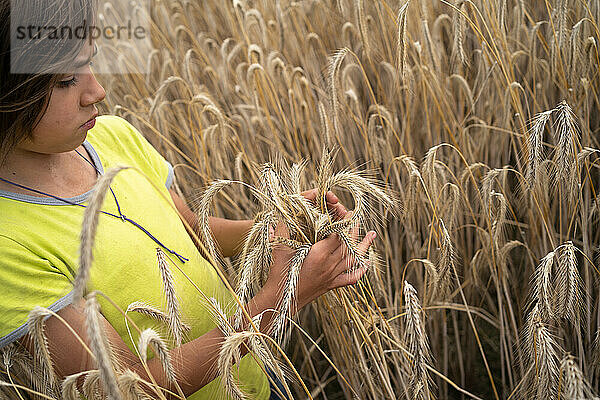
53 148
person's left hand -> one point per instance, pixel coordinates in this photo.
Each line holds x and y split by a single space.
333 203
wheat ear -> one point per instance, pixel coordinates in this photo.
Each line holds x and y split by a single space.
446 261
417 344
500 217
128 383
402 41
568 293
69 389
149 337
574 386
534 146
541 289
334 67
459 25
204 213
168 281
229 355
541 350
286 306
153 312
91 385
255 261
101 348
363 27
9 353
546 362
35 322
566 139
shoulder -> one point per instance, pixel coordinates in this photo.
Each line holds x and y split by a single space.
117 140
121 143
112 128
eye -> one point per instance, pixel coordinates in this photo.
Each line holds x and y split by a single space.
67 83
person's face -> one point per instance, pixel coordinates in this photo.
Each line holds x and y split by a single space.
72 105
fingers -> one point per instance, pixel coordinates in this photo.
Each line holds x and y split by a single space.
331 243
363 246
271 232
279 230
354 230
348 278
338 210
334 206
333 202
362 249
310 195
331 198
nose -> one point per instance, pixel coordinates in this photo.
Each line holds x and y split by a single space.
93 93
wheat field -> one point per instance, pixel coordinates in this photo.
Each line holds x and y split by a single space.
475 116
479 114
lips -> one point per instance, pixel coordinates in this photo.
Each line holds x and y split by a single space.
89 125
89 121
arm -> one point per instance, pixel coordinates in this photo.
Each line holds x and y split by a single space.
195 362
228 233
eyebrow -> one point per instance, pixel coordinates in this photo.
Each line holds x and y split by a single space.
81 64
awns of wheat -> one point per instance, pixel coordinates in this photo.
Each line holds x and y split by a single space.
281 202
555 299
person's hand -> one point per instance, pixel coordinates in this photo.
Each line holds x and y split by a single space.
333 203
324 268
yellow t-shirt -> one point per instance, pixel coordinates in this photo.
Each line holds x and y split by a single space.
39 243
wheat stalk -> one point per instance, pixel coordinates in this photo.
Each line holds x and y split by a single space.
88 230
100 348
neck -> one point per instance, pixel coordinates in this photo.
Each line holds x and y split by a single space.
27 167
62 174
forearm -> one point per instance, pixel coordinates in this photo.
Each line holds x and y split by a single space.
229 234
196 361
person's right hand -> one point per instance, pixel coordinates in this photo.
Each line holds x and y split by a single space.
324 268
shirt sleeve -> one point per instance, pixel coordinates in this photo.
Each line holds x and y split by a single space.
141 153
27 280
